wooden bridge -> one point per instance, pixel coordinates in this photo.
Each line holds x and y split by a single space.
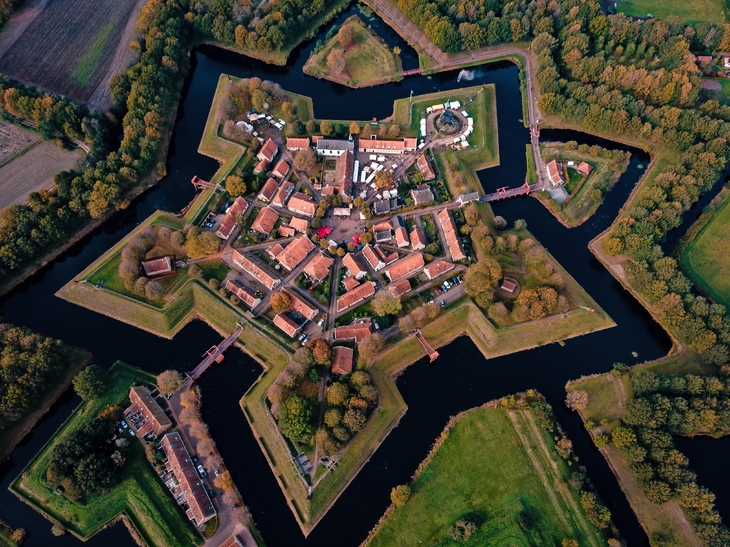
432 353
505 192
412 71
200 183
214 354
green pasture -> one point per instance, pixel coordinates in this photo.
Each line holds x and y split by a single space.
694 11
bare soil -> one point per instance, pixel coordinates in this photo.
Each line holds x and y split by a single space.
13 140
68 46
33 171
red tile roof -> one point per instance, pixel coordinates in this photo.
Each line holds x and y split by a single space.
287 231
372 257
269 189
265 220
585 168
260 167
319 267
295 252
406 266
342 360
350 283
282 193
437 268
357 331
299 224
226 227
418 240
232 541
258 273
274 250
387 258
299 305
401 237
191 485
353 265
155 418
386 146
508 285
410 143
239 207
268 151
400 287
300 203
452 237
345 167
297 143
281 169
162 265
356 295
287 325
243 294
553 172
425 168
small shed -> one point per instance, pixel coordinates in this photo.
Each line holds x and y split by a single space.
585 168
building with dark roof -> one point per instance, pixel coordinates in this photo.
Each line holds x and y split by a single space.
422 194
334 147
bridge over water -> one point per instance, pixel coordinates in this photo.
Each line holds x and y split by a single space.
214 354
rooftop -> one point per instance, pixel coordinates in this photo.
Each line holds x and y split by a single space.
268 151
342 360
404 267
437 268
358 294
301 203
356 331
255 271
268 190
286 324
295 252
265 220
400 287
425 168
162 265
297 143
299 305
243 294
353 265
319 267
335 144
422 194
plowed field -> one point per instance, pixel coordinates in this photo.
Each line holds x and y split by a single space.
68 46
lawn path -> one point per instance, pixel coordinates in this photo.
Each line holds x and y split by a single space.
562 488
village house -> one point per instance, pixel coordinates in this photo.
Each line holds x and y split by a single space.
373 259
287 325
383 232
378 146
350 283
405 267
342 360
352 263
450 233
287 231
418 240
302 204
389 258
265 221
356 331
585 168
297 143
334 147
226 227
381 207
425 168
299 224
355 296
243 294
294 253
463 199
159 267
508 285
275 250
318 268
554 173
437 268
144 415
422 194
268 151
282 194
258 273
260 167
190 487
400 287
281 169
401 237
232 541
299 305
269 189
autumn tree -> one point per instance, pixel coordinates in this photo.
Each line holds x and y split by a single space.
385 303
346 35
235 186
199 243
321 351
354 128
326 128
383 178
336 61
406 324
305 160
371 346
296 417
481 278
169 381
400 494
394 131
280 302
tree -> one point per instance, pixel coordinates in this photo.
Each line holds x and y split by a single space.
321 352
58 529
386 303
354 419
354 128
305 160
337 394
336 61
346 35
371 346
295 418
406 324
311 126
394 131
169 381
153 290
92 382
577 400
280 302
235 186
383 178
199 243
326 128
400 495
500 223
482 277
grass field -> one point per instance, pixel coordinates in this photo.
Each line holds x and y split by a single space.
68 47
696 10
369 60
706 260
34 170
140 497
13 141
494 464
607 396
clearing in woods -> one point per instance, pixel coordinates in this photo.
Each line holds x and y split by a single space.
13 141
34 171
69 46
696 10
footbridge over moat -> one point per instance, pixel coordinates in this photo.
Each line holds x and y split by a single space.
505 192
214 354
432 353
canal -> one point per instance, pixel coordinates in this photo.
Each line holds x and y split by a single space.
460 379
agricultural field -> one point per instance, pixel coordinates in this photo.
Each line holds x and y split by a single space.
34 170
696 10
13 141
71 47
497 469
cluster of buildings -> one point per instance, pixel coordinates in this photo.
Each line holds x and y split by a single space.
554 171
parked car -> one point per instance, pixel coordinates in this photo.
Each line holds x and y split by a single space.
124 424
443 303
201 470
211 494
132 433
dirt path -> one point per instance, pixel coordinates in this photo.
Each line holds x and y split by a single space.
618 386
101 98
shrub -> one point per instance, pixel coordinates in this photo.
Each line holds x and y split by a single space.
400 494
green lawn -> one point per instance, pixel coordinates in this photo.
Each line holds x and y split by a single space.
706 260
696 10
485 469
140 497
725 83
369 60
214 269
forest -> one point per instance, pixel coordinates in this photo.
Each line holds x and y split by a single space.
30 363
666 405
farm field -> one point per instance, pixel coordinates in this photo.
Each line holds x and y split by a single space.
696 10
13 140
496 468
707 259
34 171
71 47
